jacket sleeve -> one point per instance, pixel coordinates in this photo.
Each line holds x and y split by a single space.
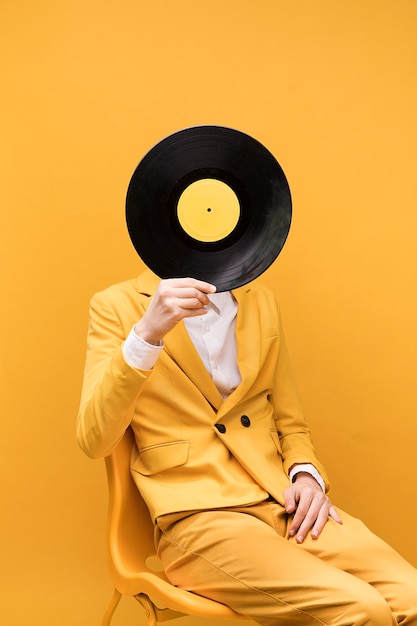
294 432
110 386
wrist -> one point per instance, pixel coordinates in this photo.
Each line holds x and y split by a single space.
147 334
307 469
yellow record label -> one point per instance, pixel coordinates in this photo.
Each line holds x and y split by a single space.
208 210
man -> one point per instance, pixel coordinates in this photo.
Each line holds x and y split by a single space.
224 457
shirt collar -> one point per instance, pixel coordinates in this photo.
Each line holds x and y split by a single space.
221 301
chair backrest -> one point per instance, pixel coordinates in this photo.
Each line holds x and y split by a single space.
129 525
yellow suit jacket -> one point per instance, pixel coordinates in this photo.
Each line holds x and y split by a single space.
194 450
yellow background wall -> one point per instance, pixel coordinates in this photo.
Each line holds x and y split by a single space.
87 88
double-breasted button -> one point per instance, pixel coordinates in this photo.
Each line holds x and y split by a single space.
245 421
220 427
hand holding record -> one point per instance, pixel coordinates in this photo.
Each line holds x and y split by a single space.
209 202
174 300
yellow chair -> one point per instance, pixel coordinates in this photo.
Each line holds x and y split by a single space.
134 568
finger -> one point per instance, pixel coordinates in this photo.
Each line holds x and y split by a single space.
175 299
307 524
192 300
193 311
312 510
302 514
289 500
200 285
335 515
171 288
320 522
205 287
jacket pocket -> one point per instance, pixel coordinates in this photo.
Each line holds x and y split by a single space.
161 457
275 439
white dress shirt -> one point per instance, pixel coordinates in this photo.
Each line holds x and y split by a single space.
213 336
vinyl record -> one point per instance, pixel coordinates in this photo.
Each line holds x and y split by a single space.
209 202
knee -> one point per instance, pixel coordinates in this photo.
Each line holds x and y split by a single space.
379 613
368 609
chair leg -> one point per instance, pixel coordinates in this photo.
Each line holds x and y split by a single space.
156 614
149 608
111 607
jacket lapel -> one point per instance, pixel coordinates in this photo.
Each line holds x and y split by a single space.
181 350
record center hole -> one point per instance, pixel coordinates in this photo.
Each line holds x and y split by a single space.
208 210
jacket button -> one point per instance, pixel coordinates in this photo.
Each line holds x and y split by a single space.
220 427
245 421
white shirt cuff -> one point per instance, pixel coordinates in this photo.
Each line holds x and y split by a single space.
140 354
309 469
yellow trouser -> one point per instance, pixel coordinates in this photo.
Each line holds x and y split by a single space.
243 558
